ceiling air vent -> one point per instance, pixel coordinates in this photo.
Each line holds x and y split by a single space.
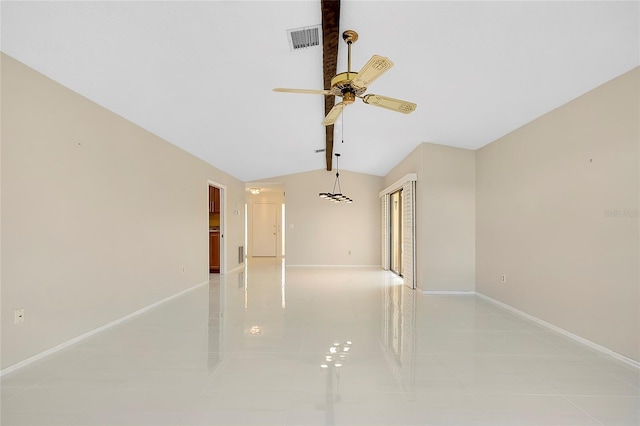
302 38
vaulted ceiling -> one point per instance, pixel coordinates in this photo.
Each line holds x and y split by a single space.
199 74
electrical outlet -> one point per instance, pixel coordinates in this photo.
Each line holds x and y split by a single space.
349 252
182 269
18 316
504 279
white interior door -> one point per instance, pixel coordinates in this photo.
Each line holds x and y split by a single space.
264 227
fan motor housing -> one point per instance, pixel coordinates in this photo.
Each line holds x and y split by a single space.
341 86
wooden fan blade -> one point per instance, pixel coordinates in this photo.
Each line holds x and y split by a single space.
390 103
373 69
333 114
307 91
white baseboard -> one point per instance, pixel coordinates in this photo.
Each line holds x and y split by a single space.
77 339
562 331
334 266
236 269
456 292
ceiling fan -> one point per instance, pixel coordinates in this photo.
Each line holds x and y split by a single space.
351 85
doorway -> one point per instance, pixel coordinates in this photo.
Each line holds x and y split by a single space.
264 219
265 230
216 234
395 228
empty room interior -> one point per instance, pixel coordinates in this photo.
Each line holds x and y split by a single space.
320 213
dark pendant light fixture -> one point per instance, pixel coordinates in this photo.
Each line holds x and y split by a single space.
336 197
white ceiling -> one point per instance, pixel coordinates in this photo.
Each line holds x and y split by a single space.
200 74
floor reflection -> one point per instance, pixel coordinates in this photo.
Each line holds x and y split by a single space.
398 331
216 323
334 360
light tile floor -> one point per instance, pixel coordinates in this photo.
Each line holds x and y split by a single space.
253 348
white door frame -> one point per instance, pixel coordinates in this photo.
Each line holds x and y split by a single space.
223 224
410 270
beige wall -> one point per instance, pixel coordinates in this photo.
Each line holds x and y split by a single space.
319 232
445 215
98 216
557 213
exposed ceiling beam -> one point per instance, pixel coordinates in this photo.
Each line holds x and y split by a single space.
330 39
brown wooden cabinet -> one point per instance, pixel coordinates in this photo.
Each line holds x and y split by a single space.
214 200
214 251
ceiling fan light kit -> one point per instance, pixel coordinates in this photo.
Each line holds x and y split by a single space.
351 85
336 197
